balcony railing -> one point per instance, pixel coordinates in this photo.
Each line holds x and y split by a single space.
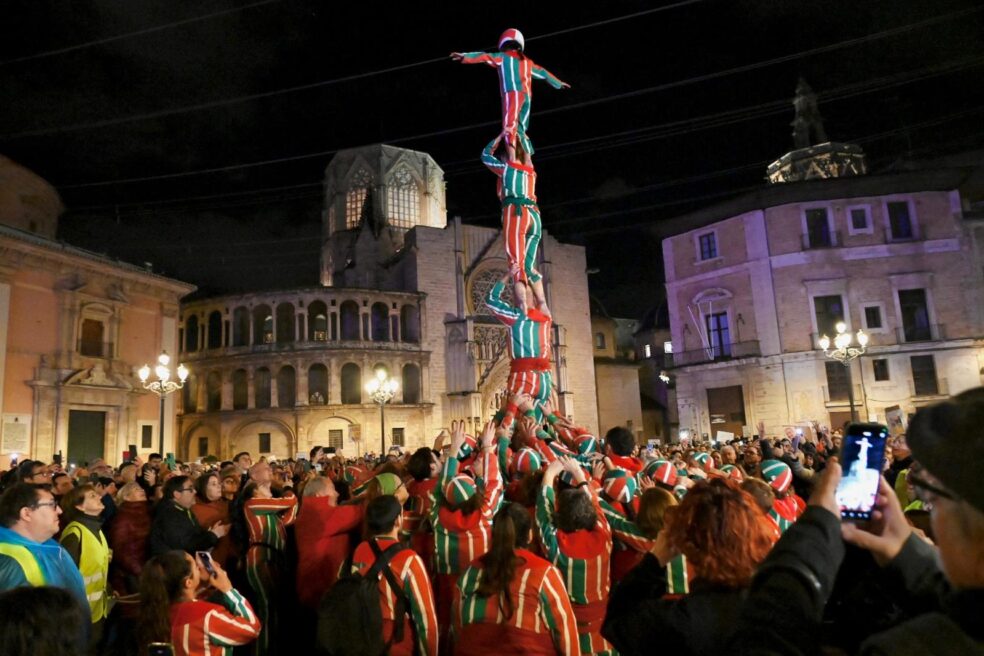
930 333
929 387
821 240
715 354
95 349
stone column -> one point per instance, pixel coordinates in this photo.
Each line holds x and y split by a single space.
301 384
334 382
250 389
227 390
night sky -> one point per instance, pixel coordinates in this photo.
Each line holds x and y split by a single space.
671 109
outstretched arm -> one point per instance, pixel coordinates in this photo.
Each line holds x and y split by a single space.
540 73
506 313
493 59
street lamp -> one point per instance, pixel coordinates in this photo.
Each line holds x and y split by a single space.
381 390
844 353
163 385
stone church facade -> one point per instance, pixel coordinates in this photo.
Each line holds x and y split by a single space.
401 290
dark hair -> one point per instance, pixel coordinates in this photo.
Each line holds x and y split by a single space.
381 514
155 455
575 511
172 485
510 531
314 449
761 491
202 482
15 498
240 455
42 621
125 464
161 584
25 468
419 465
73 498
652 510
57 476
621 440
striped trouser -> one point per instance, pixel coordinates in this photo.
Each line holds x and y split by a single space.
516 118
535 383
521 230
262 577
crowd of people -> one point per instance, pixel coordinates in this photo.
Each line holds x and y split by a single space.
531 537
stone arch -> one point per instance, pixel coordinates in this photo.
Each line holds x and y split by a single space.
190 437
320 433
262 325
348 313
317 321
282 438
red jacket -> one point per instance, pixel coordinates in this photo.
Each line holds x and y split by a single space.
128 536
323 544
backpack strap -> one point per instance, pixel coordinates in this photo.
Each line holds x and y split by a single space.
381 565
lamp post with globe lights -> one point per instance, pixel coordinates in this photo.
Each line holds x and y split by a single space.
845 353
162 386
381 390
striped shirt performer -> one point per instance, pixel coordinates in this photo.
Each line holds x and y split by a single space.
266 521
201 628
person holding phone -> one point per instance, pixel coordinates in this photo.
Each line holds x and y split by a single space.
941 588
171 611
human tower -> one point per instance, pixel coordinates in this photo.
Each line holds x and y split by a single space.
510 157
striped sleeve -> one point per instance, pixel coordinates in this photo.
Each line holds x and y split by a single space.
417 586
493 485
540 73
493 59
236 626
544 522
492 162
625 530
506 313
270 506
558 614
503 453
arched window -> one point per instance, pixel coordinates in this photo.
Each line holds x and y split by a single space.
286 382
191 334
411 383
318 384
215 330
285 323
213 391
380 322
91 339
240 327
355 199
190 393
262 325
351 384
318 321
403 199
410 324
240 390
350 320
261 388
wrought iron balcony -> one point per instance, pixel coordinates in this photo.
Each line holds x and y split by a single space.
715 353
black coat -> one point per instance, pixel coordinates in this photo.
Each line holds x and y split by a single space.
639 620
175 527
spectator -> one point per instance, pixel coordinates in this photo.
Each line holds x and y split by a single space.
129 538
619 446
84 541
170 612
175 527
61 484
28 554
424 466
230 479
34 472
717 529
42 621
212 509
511 600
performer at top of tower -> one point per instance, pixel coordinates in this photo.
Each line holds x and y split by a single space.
516 73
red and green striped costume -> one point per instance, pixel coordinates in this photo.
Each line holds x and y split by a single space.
458 538
201 628
416 519
409 568
584 559
516 73
529 347
630 544
521 225
542 623
266 520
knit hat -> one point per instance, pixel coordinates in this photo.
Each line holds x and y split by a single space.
586 444
352 474
567 478
619 485
661 471
704 461
733 473
946 439
467 448
389 483
512 34
777 474
527 461
459 490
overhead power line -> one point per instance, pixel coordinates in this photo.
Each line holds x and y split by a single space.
129 35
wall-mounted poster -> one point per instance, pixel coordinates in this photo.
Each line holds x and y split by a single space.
895 418
15 434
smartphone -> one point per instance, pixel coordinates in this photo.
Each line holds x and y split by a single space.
206 559
172 463
160 649
862 458
132 452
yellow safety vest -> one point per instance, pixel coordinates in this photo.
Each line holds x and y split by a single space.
23 556
94 565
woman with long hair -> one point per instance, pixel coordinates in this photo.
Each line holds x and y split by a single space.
129 538
212 508
512 601
171 612
718 530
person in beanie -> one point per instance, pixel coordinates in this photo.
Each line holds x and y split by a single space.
941 589
516 74
462 517
787 506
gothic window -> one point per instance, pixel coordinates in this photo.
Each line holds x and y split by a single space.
403 199
355 199
481 283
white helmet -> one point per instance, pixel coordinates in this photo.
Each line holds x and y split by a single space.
512 34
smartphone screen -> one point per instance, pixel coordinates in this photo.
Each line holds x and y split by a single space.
862 459
206 559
